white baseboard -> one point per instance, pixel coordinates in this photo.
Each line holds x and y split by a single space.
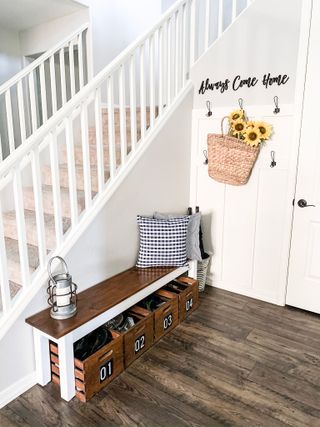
251 293
14 390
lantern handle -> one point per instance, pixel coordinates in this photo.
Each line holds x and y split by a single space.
62 262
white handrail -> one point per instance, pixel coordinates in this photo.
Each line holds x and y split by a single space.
42 58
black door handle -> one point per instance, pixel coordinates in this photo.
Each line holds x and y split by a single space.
304 204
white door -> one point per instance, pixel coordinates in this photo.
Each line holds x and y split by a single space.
304 267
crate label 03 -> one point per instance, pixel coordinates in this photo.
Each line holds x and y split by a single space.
167 321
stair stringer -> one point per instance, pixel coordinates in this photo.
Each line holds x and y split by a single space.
25 296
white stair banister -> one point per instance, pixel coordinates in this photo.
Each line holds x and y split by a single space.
79 147
24 84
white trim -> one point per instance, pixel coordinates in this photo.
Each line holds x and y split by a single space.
26 295
16 389
251 293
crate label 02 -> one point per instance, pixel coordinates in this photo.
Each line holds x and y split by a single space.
139 343
167 321
106 370
189 304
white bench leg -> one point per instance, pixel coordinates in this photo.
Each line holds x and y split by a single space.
192 269
42 357
66 366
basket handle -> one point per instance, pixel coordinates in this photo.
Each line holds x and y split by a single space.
223 118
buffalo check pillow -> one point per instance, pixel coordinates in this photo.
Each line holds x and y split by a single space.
162 242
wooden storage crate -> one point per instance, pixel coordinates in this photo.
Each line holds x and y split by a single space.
188 294
96 371
166 317
139 338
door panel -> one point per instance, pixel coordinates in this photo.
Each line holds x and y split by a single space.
304 268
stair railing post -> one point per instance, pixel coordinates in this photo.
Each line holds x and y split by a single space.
193 13
4 278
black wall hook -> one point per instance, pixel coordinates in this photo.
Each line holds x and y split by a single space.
209 113
205 153
276 103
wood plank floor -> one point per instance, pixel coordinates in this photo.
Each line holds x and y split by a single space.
234 362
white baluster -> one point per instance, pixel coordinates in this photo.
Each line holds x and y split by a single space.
207 25
161 65
112 153
185 38
56 188
71 69
63 77
1 153
99 139
33 107
22 118
72 180
122 112
234 10
80 60
21 228
53 84
220 18
178 50
193 41
4 278
86 156
9 120
142 92
37 191
169 58
152 83
133 102
43 94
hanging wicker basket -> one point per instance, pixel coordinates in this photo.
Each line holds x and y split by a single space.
230 160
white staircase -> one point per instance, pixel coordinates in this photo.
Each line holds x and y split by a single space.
55 181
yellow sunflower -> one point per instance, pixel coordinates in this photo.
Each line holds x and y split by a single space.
265 130
238 127
251 124
252 136
236 115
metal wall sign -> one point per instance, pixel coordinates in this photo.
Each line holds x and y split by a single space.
238 82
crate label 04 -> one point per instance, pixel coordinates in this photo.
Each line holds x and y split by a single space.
189 304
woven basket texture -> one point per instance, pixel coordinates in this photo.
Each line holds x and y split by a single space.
230 160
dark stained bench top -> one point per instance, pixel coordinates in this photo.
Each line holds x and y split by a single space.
99 298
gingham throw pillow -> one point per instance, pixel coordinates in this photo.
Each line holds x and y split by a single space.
162 242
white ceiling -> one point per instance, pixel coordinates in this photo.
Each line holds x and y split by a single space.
23 14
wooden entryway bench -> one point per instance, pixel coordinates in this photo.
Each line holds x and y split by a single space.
96 306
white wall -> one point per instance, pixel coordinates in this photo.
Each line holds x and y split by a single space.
116 24
159 181
42 37
247 227
10 54
264 40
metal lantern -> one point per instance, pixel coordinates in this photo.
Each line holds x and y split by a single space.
62 293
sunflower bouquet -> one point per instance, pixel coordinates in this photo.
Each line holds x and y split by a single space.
253 133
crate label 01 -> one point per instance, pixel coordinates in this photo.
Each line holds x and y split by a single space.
189 304
167 321
139 343
106 370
